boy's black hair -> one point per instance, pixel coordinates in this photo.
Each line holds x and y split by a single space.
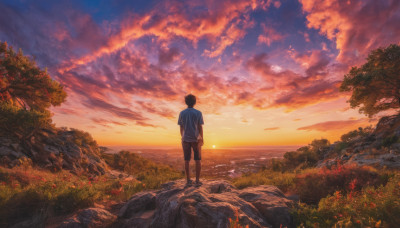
190 100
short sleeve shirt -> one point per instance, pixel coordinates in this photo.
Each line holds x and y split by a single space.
190 119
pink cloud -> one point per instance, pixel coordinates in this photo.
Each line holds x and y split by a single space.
336 125
355 26
269 35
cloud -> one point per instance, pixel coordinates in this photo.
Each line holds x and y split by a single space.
356 27
168 55
269 35
271 128
105 122
291 90
98 104
335 125
220 22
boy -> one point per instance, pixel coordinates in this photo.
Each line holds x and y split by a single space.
191 121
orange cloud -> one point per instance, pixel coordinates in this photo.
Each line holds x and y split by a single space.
269 36
271 128
223 23
356 26
336 125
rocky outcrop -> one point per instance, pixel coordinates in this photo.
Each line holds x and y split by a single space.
213 204
380 147
90 217
54 149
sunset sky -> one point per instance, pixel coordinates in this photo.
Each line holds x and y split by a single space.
264 72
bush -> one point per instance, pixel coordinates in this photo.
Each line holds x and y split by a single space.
355 134
81 138
21 121
146 171
369 207
311 187
284 181
388 141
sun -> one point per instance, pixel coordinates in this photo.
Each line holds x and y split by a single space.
213 146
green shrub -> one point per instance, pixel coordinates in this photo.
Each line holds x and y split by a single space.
81 138
369 207
311 187
21 121
284 181
388 141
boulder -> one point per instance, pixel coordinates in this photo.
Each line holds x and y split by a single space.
214 204
90 217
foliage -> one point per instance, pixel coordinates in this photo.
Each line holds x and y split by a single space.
82 138
24 84
388 141
31 193
284 181
15 119
375 85
26 93
148 172
369 207
352 135
302 158
312 186
235 223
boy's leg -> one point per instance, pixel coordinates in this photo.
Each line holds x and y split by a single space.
198 169
187 171
197 158
187 154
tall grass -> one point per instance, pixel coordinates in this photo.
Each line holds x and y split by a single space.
32 194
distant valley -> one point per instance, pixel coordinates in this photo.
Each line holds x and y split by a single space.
223 163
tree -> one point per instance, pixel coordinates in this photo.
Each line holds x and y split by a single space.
26 92
375 85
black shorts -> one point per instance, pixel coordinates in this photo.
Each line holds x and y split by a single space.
187 150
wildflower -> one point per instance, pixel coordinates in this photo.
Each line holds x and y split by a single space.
358 222
54 186
352 185
116 192
372 205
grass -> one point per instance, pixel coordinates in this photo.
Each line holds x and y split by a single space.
369 207
284 181
343 196
35 194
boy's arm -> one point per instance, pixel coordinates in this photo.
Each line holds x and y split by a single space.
181 130
201 133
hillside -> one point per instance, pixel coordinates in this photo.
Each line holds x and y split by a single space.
379 147
53 149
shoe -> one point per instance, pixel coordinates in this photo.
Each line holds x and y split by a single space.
198 183
189 183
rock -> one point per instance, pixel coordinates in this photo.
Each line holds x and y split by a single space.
90 217
140 202
15 147
271 202
210 205
51 149
5 151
